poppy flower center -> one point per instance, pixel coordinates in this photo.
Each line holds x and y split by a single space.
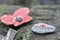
43 26
18 19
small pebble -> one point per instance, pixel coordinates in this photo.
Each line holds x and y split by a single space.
43 28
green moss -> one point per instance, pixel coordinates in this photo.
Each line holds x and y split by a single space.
27 35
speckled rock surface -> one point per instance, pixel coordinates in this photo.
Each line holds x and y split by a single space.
44 14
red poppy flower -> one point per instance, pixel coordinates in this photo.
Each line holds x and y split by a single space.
19 17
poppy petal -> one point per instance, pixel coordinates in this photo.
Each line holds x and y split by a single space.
18 23
7 19
21 12
28 18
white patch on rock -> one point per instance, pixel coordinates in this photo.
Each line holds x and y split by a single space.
43 28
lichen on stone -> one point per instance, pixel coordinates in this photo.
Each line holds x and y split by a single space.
28 35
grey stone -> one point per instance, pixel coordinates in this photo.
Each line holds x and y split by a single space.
11 34
1 37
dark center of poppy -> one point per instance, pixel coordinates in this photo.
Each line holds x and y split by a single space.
18 19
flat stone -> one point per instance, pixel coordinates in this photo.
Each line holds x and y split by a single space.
43 28
11 34
1 37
